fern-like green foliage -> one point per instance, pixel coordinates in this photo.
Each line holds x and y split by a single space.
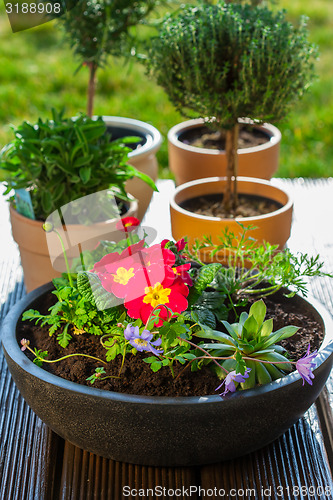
228 60
74 313
252 270
251 343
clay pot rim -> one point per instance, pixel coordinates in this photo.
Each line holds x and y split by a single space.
153 136
175 131
210 180
12 349
74 227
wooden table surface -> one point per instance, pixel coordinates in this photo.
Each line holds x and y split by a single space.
37 464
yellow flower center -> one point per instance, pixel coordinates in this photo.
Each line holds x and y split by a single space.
123 275
156 295
141 342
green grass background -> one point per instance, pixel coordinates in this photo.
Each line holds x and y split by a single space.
37 73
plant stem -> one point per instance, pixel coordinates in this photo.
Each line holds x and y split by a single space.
271 362
91 87
230 199
64 357
196 359
65 257
203 350
122 362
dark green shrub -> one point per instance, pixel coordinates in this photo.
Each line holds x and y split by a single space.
225 61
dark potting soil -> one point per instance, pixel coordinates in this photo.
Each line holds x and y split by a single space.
205 137
137 377
119 133
211 205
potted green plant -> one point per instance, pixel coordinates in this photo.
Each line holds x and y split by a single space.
163 352
193 143
224 62
98 31
54 162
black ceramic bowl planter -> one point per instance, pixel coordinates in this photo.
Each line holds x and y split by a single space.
164 431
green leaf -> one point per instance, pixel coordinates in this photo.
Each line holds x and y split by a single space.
229 365
112 352
83 160
151 359
274 371
205 317
46 201
157 365
250 382
262 374
258 311
277 358
243 317
223 348
89 285
231 330
266 328
205 277
216 335
250 328
85 173
63 338
283 333
145 178
241 365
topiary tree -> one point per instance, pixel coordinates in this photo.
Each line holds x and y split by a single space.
225 61
97 29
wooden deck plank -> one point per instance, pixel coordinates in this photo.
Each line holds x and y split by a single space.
87 476
294 463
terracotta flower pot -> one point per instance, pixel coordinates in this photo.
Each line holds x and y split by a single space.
143 157
40 264
190 162
165 431
273 227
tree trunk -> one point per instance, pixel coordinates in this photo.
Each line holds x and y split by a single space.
230 198
91 87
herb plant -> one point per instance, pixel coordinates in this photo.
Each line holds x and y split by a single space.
97 29
224 61
63 159
169 310
252 270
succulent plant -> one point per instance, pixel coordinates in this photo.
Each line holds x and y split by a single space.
251 343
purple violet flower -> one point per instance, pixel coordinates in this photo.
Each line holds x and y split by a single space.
230 380
142 342
305 366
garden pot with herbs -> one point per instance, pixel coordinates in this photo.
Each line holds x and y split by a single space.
226 61
100 31
49 165
146 342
